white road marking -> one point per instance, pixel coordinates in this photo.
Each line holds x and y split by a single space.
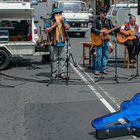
105 92
103 100
108 106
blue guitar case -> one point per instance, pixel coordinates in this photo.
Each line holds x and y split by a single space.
129 111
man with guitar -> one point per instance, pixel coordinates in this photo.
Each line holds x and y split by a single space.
129 35
101 27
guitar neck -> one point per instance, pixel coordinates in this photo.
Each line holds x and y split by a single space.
111 30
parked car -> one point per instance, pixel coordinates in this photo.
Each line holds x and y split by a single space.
34 2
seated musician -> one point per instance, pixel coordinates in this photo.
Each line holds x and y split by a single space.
100 27
132 43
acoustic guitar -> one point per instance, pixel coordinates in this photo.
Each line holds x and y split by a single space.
122 38
98 39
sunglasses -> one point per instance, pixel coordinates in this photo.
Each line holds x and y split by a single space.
104 13
58 13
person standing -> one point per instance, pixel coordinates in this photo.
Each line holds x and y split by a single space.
56 28
100 27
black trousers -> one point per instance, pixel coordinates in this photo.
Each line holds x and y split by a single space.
133 47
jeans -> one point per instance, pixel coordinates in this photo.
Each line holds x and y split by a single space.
133 47
93 50
58 58
101 56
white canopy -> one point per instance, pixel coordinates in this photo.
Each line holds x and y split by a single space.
16 10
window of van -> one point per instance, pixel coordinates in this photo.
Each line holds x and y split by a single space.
114 12
72 6
18 30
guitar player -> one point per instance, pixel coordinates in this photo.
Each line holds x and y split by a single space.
100 39
133 39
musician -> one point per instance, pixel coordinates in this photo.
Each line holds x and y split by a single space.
98 24
132 45
56 26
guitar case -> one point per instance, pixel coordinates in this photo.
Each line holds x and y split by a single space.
129 111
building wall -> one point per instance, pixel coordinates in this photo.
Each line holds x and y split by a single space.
95 4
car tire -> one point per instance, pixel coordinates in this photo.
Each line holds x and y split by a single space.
4 59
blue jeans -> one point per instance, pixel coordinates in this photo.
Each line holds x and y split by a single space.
101 56
92 57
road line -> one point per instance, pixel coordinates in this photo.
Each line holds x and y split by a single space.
107 105
103 100
105 92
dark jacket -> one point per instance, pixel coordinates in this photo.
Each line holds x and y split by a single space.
98 25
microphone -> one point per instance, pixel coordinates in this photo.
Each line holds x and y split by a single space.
41 17
108 17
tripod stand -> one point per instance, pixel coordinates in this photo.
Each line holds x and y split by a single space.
67 62
116 64
69 56
137 68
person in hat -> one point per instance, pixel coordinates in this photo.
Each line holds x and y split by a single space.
56 27
100 26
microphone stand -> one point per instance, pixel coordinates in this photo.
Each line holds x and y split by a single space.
68 57
137 67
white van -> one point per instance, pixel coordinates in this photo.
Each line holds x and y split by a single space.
18 33
76 13
119 12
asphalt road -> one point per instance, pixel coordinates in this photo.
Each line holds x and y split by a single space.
33 111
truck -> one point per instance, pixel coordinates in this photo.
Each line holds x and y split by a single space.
76 13
18 33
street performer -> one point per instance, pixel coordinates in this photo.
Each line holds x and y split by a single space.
101 27
56 26
129 35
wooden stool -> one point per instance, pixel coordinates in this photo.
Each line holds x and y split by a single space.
87 45
127 58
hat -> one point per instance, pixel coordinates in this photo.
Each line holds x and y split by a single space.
103 10
56 10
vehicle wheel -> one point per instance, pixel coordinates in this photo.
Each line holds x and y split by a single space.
4 59
82 34
45 59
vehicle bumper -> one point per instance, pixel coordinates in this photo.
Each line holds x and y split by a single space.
78 30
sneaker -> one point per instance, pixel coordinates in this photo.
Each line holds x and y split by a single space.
133 61
64 77
97 73
107 69
53 77
105 72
